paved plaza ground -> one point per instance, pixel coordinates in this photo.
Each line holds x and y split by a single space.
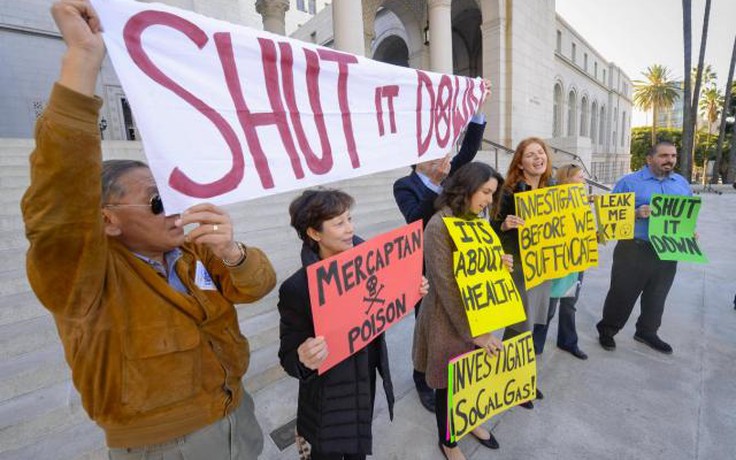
632 403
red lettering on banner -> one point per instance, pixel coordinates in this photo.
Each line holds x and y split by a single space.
474 102
443 110
315 164
250 121
379 111
343 60
389 92
459 111
179 181
424 82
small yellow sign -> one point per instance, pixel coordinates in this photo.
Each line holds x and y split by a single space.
615 215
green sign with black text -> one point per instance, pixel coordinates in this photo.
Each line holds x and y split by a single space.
672 227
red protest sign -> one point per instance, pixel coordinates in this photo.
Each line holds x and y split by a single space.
360 293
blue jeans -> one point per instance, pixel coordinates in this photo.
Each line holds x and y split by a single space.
567 336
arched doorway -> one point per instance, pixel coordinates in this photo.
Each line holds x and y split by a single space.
467 41
392 50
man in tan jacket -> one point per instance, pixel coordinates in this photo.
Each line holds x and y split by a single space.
145 312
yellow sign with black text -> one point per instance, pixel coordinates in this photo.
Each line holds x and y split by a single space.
490 297
481 386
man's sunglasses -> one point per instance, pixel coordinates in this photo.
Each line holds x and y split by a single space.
155 203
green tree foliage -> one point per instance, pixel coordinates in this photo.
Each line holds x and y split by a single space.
641 143
657 92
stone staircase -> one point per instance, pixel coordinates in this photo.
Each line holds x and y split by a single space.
40 412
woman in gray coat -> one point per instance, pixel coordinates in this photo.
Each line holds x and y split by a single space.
442 330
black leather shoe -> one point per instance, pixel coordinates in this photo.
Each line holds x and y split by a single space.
607 342
578 353
426 397
527 405
654 342
490 443
539 394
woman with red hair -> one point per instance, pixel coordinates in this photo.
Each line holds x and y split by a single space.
530 169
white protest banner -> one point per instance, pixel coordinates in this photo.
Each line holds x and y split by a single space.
228 113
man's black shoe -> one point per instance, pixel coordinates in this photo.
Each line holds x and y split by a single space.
426 397
539 394
654 342
607 342
577 352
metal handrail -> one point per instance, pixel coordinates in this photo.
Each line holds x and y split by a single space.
591 183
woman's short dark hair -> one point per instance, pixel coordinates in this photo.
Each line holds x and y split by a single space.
112 171
467 180
313 207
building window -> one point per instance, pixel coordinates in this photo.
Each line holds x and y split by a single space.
556 115
128 122
602 127
593 123
604 77
312 6
595 70
585 62
572 109
584 117
574 52
615 127
301 6
559 41
623 129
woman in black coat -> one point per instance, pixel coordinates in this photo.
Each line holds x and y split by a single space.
335 409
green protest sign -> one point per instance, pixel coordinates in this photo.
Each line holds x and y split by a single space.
672 227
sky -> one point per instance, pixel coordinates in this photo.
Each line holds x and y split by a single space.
635 34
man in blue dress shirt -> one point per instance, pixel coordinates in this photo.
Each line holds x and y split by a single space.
637 270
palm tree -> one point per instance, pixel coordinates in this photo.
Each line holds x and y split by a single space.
731 174
655 93
687 137
708 76
730 89
710 109
690 107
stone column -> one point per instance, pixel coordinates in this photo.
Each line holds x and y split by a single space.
347 20
274 13
493 31
440 35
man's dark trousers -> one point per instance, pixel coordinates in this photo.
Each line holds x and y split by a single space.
636 271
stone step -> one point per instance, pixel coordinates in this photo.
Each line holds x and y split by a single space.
13 281
32 371
7 179
16 170
88 439
20 307
27 336
13 257
264 367
276 403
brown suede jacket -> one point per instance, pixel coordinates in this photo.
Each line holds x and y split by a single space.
151 363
